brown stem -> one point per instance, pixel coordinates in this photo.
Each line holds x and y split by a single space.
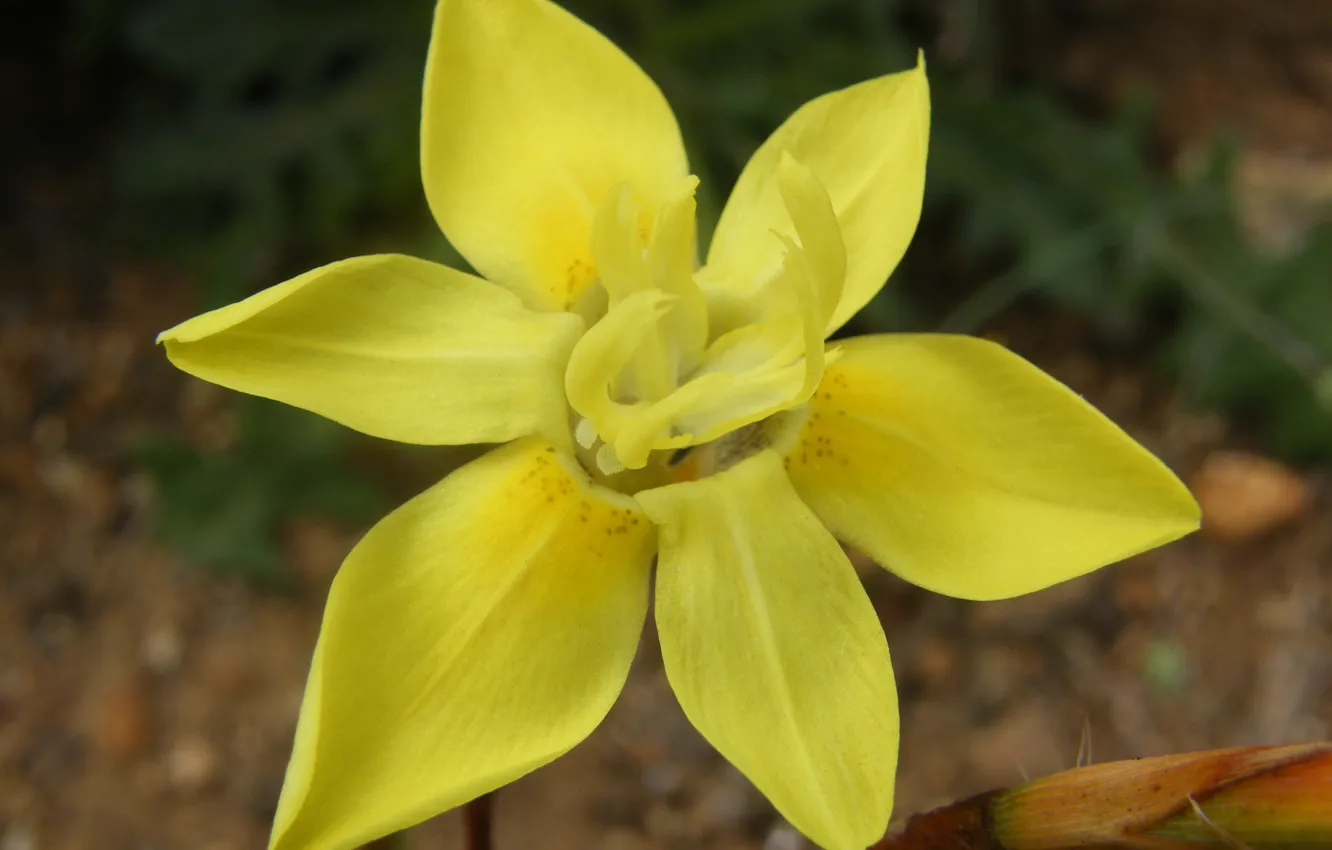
476 823
961 826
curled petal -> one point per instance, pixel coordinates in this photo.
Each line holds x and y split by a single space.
604 352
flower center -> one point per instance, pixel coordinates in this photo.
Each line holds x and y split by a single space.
651 378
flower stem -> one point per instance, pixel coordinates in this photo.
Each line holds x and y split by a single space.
476 823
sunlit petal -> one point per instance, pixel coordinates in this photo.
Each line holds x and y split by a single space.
476 633
774 650
530 118
966 470
867 146
392 346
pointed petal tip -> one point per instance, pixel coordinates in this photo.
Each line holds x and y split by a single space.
1047 490
530 116
868 144
452 660
390 345
181 332
689 184
746 566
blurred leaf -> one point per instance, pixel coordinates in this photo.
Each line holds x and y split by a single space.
1100 230
1165 666
275 126
224 510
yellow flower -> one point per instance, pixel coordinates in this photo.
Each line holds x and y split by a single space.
652 408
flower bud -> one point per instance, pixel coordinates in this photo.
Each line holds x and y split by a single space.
1257 798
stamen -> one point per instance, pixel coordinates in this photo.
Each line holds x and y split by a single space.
602 354
798 274
670 261
644 379
585 433
607 461
817 231
617 245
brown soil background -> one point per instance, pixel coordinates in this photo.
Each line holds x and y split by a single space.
147 704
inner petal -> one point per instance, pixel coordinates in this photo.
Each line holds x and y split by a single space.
647 378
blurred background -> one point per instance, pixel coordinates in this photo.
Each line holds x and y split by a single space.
1132 194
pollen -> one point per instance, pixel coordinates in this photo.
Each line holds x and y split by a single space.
819 444
580 275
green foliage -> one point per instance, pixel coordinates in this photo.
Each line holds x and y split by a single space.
224 510
273 128
1094 226
1165 668
1261 344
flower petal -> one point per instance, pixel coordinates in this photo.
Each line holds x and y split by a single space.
392 346
966 470
774 650
531 117
820 234
473 635
867 146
